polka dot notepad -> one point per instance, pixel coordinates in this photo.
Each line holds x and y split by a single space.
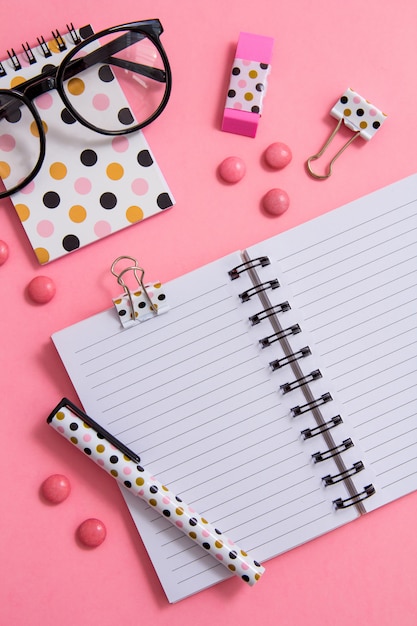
90 185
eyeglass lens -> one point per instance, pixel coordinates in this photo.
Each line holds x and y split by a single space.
19 134
136 62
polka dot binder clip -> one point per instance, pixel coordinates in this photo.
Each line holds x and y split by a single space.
359 115
140 303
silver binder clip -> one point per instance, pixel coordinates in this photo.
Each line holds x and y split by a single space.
143 302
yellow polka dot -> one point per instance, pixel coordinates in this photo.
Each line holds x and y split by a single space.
114 473
363 125
157 285
118 301
179 510
219 544
164 488
134 214
76 86
86 425
58 171
17 80
347 112
137 293
34 129
60 415
140 481
232 567
126 458
77 213
204 521
243 553
193 535
42 255
253 74
53 46
115 171
257 576
100 448
22 211
74 440
248 96
152 502
4 169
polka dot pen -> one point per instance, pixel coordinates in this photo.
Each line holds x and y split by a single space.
124 465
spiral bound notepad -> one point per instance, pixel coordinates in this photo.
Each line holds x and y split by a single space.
278 394
90 185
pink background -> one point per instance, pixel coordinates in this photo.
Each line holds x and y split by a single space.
364 573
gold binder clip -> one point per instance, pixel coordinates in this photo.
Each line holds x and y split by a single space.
359 115
141 304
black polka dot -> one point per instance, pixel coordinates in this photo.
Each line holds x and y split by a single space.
193 521
70 242
360 112
216 530
47 68
166 513
140 468
344 99
233 554
88 157
15 113
376 125
127 484
231 93
51 199
206 545
142 305
161 297
178 499
163 201
108 200
245 577
86 31
73 426
125 117
235 71
100 436
257 564
87 451
105 74
255 109
67 117
153 489
122 312
263 66
260 87
114 459
144 158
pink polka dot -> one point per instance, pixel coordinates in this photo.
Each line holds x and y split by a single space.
237 105
101 102
29 188
372 112
7 143
100 462
165 500
140 186
179 524
102 228
120 144
205 533
61 429
356 99
242 83
87 438
44 101
82 185
141 492
245 565
245 62
230 542
127 470
219 557
45 228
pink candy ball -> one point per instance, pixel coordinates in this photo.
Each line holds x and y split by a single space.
278 155
4 252
92 532
276 201
41 289
232 169
56 488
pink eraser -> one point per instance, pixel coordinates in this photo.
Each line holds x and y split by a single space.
248 83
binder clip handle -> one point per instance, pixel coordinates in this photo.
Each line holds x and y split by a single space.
314 157
138 273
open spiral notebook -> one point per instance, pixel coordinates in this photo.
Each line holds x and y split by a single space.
278 394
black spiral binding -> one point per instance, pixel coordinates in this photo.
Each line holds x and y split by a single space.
302 381
60 42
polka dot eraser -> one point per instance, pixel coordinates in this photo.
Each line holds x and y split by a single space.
41 289
248 83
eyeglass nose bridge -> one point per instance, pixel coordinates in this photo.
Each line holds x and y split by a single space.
41 86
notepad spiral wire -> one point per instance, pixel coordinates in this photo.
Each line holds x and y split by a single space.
296 379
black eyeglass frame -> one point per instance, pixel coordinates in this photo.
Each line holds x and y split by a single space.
54 77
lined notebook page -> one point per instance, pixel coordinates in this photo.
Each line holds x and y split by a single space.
353 275
191 392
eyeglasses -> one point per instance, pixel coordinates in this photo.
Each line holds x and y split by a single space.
131 52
